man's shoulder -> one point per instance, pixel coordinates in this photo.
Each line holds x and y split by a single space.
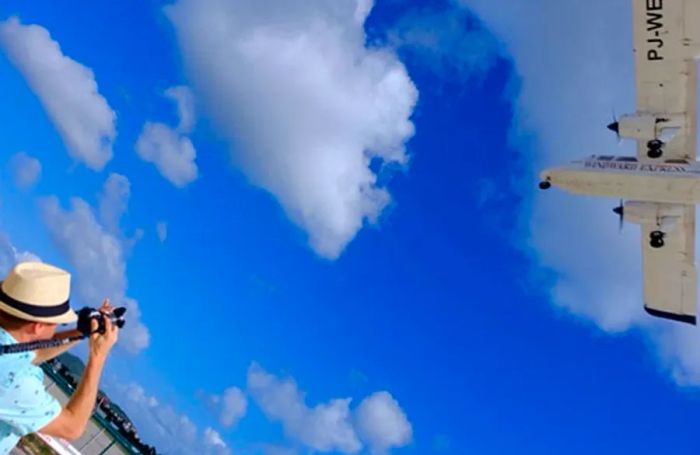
16 358
5 337
16 367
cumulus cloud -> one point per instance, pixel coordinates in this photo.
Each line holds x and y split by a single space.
168 148
184 99
229 407
573 75
233 407
171 153
378 421
382 424
26 170
162 231
10 255
305 105
325 427
163 426
213 441
66 89
97 254
136 393
113 201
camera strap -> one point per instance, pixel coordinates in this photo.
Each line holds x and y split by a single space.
38 344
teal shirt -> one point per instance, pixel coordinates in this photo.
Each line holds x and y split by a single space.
25 405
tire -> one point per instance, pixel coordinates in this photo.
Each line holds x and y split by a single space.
655 144
657 242
655 153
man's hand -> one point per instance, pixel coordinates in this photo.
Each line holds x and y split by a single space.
106 307
101 343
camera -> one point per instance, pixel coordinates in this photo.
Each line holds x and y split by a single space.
87 314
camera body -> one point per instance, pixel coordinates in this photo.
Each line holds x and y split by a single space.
87 314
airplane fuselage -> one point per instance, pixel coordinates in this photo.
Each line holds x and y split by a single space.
671 182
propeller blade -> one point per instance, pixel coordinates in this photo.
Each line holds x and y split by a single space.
615 127
621 224
620 211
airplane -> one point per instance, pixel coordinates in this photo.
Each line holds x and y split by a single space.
660 186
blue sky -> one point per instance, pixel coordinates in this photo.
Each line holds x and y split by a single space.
472 316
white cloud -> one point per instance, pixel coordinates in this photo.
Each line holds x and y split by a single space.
574 74
168 148
305 105
135 333
97 255
213 441
136 393
162 426
382 424
66 89
162 231
325 427
233 407
114 201
172 153
184 99
9 255
230 407
26 170
378 420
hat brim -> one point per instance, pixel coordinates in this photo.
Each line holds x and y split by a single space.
65 318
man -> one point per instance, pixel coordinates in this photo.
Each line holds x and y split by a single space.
34 299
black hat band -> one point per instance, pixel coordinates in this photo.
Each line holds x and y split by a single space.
35 310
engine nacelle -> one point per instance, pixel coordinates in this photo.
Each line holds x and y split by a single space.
662 215
643 127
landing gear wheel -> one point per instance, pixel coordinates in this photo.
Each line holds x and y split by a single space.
657 243
655 147
654 154
545 185
656 239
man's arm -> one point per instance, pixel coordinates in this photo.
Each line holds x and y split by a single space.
71 422
42 355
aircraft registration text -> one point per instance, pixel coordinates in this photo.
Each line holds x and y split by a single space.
655 24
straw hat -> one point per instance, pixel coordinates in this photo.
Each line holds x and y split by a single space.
38 292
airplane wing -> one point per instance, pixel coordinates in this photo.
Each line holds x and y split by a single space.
666 42
670 276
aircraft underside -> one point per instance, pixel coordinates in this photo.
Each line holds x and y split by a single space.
660 186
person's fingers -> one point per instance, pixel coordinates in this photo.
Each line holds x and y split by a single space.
108 324
106 306
93 326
